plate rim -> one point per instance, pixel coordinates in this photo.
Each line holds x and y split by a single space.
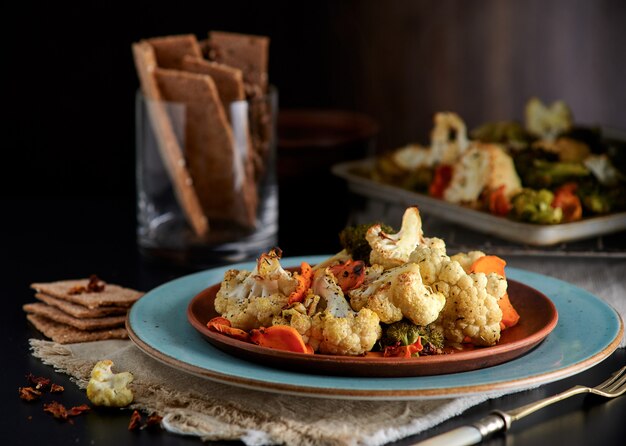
378 393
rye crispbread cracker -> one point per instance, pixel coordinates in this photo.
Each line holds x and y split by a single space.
88 324
228 80
170 50
247 52
78 310
65 334
217 166
169 148
112 295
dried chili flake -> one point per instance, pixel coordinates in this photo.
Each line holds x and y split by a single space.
57 410
95 285
135 421
40 382
153 421
77 410
29 393
78 289
56 388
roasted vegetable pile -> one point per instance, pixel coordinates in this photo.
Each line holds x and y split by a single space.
547 171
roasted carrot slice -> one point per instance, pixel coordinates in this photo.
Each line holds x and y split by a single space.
304 283
222 325
349 275
565 198
443 177
494 264
280 337
498 203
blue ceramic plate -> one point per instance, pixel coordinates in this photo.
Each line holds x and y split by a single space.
158 325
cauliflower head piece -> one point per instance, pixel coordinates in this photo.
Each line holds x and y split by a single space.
470 310
251 299
391 250
327 323
353 334
106 388
399 293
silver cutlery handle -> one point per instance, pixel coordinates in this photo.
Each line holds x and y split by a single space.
467 435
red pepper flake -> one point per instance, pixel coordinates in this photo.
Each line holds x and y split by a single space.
40 382
77 410
56 388
29 393
57 410
153 421
135 421
60 412
95 285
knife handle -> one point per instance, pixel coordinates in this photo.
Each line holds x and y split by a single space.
467 435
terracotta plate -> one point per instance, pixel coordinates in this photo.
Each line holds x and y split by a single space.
538 317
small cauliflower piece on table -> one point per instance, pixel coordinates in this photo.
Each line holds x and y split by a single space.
106 388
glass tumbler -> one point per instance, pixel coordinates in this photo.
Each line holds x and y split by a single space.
206 179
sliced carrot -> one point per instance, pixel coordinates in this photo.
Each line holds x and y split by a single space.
565 198
222 325
280 337
441 181
489 264
494 264
510 316
498 203
349 275
403 351
304 283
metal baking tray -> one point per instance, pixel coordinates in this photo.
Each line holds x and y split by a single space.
524 233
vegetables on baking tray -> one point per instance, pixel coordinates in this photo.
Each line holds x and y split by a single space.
408 298
513 170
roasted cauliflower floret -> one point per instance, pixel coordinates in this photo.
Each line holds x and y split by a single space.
470 311
328 324
397 293
446 150
391 250
110 389
467 259
353 334
482 167
251 299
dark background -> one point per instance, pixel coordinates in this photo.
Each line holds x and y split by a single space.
69 80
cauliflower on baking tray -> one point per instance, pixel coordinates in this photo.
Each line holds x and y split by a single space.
482 167
445 150
106 388
391 250
327 323
251 299
399 292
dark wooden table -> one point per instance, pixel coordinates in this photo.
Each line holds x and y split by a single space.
52 240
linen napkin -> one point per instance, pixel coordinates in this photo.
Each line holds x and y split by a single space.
214 411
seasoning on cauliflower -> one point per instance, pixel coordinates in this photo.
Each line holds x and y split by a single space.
328 324
391 250
397 293
470 309
251 299
106 388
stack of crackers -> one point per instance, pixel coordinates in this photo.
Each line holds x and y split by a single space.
214 170
84 310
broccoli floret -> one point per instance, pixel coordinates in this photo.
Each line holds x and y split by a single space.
505 132
352 239
535 206
406 333
547 174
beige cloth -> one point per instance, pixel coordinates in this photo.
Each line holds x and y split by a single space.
213 411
